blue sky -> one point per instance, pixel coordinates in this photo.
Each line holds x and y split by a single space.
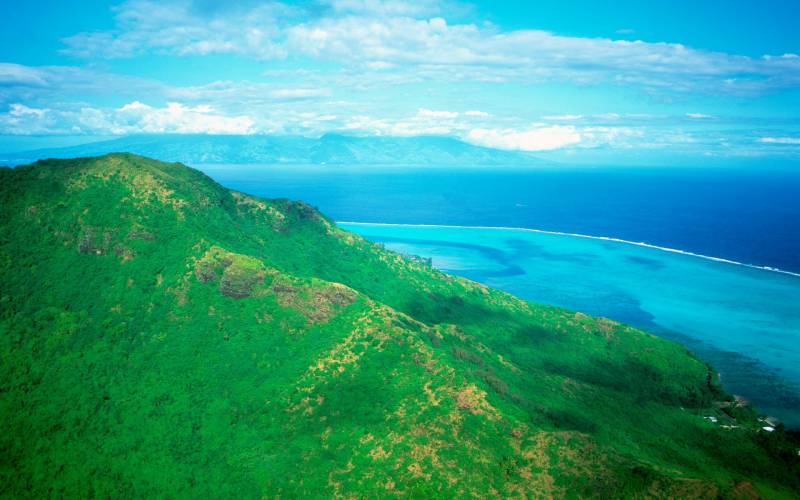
573 80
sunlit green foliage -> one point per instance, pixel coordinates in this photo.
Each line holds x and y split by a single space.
163 336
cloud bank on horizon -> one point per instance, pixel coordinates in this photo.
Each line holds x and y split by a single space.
503 78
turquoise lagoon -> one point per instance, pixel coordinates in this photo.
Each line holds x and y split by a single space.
743 320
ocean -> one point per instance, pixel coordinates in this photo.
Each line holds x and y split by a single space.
692 255
748 215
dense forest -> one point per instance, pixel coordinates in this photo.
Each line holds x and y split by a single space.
163 336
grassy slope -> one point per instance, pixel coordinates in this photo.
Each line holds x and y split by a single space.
162 335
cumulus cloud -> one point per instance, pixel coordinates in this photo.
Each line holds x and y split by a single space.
407 35
393 67
185 28
535 139
20 110
364 124
542 137
21 119
134 117
138 116
178 118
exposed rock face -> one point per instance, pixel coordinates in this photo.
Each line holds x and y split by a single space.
204 271
238 282
318 303
94 240
240 273
241 276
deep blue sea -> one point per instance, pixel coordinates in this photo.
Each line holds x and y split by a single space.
749 215
744 320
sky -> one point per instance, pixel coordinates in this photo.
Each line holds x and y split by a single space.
571 79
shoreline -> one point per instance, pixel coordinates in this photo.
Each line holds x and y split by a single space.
767 417
586 236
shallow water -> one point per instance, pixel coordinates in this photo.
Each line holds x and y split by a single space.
745 321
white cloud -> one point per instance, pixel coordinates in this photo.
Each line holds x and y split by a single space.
134 117
184 27
429 113
370 59
20 110
293 117
562 117
386 7
246 93
616 136
17 74
788 55
379 65
21 119
178 118
51 86
401 36
780 140
535 139
362 124
135 106
298 93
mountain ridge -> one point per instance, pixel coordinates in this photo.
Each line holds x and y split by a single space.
331 148
157 328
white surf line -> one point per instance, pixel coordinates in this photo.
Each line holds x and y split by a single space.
587 236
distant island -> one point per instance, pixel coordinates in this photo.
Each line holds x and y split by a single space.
164 336
333 149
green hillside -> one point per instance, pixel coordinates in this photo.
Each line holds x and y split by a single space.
163 336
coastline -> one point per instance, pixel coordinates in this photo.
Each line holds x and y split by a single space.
585 236
710 351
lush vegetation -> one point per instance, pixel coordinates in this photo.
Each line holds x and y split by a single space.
163 336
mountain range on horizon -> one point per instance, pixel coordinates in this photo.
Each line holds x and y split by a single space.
332 149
